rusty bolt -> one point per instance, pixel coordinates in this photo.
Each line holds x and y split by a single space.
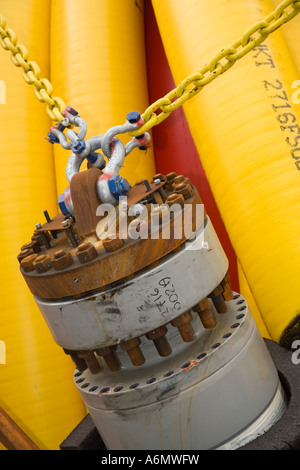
218 300
133 350
71 235
159 176
179 179
185 189
24 254
80 363
27 263
33 245
45 236
160 341
202 305
86 252
207 319
62 260
45 239
90 360
175 199
162 194
36 238
203 310
110 357
113 244
160 212
171 176
169 179
42 263
227 294
184 328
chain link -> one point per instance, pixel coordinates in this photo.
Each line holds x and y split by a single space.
31 72
222 62
186 90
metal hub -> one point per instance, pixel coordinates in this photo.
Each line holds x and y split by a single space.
167 356
201 396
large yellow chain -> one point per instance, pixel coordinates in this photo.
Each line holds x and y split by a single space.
31 72
186 90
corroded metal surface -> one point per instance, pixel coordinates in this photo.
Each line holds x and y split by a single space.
150 299
201 396
95 264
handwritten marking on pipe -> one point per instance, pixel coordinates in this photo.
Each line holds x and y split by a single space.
284 113
287 120
267 58
163 296
2 92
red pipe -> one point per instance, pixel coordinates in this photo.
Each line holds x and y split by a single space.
173 145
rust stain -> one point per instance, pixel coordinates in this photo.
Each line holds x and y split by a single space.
105 269
191 364
100 320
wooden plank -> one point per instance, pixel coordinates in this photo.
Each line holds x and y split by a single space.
12 436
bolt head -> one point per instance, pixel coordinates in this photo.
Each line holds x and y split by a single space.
171 176
159 176
175 199
27 263
179 179
118 186
62 260
65 223
113 244
124 186
78 146
154 334
133 117
72 111
42 263
52 138
185 189
24 254
86 252
130 344
33 245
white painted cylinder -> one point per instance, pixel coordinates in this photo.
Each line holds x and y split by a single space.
200 397
133 309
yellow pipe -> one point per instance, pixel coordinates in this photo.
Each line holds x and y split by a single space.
246 292
246 129
36 388
98 67
292 34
